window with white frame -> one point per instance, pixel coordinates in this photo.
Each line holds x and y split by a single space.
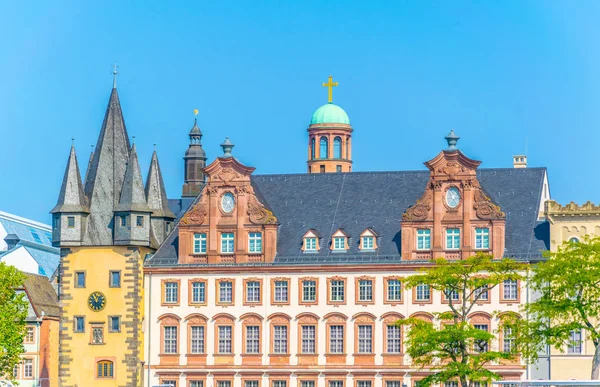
508 340
171 292
363 383
200 243
197 339
394 289
336 339
365 339
225 292
225 332
365 290
451 384
255 242
308 339
280 339
423 293
310 244
251 383
368 243
198 292
252 339
339 243
337 291
227 243
481 293
28 368
393 383
279 383
481 346
336 383
424 239
196 383
223 383
307 383
253 291
394 343
170 339
309 291
575 342
482 238
452 239
451 294
510 290
281 291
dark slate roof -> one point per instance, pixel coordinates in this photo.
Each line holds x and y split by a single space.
42 295
71 197
133 197
359 200
155 191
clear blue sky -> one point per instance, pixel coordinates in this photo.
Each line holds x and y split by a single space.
499 72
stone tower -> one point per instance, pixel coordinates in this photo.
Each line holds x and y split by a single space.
195 161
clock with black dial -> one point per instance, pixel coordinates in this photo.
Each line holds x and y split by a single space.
97 301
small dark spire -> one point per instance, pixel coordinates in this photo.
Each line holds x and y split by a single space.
133 196
71 197
452 139
227 147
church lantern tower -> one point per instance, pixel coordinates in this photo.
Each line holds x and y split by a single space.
194 162
329 138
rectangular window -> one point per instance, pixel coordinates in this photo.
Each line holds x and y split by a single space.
451 384
223 383
139 221
337 291
196 383
481 345
255 242
170 383
336 383
80 279
97 335
307 383
280 344
482 238
309 291
105 369
336 339
308 338
171 292
394 290
368 243
123 220
363 383
310 244
424 239
450 294
16 371
70 221
225 339
510 291
29 336
170 339
227 243
423 293
392 383
225 292
252 339
114 324
200 243
281 291
115 279
79 324
279 383
27 368
481 293
199 292
365 290
253 291
507 340
339 243
197 340
251 383
365 339
452 239
393 339
575 342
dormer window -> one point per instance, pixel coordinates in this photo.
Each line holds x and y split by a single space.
339 241
368 240
310 242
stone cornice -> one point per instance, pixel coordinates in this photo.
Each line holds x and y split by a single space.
552 208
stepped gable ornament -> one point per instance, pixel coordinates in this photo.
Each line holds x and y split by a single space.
485 208
420 210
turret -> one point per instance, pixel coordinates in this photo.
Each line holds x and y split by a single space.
195 161
162 218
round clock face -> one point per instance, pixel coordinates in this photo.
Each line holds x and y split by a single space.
228 202
97 301
452 197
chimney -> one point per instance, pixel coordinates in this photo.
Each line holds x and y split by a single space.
11 241
520 161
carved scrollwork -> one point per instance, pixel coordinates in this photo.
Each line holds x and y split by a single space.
228 174
485 208
197 214
258 213
420 210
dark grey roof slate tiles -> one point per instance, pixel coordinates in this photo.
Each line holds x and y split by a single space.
133 197
155 191
71 197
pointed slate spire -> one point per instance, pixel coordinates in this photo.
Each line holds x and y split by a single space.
87 171
133 197
71 197
104 179
155 191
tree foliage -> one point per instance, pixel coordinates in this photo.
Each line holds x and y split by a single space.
566 288
455 349
13 311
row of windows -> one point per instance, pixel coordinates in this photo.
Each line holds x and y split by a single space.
284 383
114 279
26 366
324 148
482 239
336 293
200 244
124 221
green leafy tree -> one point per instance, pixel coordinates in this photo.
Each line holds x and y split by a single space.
13 311
456 350
566 289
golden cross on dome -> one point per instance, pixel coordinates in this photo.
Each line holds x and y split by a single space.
330 85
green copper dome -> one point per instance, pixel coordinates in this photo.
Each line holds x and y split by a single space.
330 114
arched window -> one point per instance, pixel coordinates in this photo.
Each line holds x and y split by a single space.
105 369
312 149
337 148
323 151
